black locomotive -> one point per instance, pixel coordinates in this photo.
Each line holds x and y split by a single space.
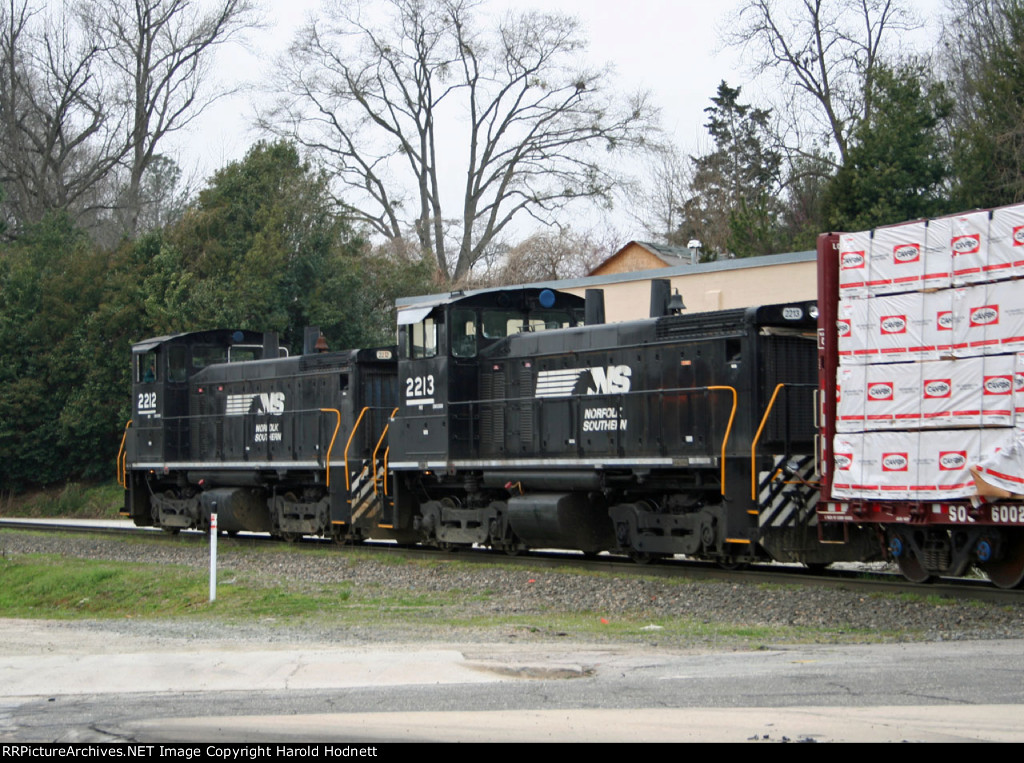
511 418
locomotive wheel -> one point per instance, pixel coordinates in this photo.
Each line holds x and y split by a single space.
290 537
913 570
171 530
1008 572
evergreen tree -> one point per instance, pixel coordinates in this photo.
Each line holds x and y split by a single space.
897 164
735 207
985 57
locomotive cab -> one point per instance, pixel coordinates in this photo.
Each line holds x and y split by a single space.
161 370
447 349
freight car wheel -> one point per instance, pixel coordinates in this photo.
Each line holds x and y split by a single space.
1008 572
913 570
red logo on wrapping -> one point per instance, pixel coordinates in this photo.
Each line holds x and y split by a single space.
880 391
967 244
852 260
904 253
952 460
938 388
895 462
998 385
894 324
987 315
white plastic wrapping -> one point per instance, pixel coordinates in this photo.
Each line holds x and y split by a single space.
938 262
916 465
854 264
897 329
850 391
1002 464
988 319
897 262
969 248
1006 241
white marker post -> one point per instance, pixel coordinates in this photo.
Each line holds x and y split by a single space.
213 557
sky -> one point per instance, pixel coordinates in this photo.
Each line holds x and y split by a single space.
671 48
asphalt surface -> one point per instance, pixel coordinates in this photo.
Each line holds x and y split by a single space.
69 682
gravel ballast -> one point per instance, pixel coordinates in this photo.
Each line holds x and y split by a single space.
797 612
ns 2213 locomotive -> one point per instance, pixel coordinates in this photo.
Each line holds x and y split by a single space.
512 418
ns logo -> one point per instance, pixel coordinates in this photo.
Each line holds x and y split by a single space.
604 381
266 403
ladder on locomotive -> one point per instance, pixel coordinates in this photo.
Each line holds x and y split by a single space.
367 485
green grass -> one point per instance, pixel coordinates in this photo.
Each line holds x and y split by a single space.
72 501
52 587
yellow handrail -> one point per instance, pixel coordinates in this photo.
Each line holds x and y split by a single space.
348 481
122 459
753 445
373 463
728 429
337 426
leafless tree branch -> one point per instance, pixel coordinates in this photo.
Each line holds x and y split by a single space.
371 100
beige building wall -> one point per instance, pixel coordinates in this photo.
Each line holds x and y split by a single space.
717 290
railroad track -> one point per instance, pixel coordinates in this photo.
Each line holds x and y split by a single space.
865 579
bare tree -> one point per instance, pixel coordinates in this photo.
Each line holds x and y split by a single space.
161 52
660 200
825 53
58 140
547 255
87 96
383 104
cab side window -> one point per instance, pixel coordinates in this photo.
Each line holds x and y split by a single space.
423 339
177 364
464 331
146 367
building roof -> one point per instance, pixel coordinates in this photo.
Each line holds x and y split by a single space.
740 263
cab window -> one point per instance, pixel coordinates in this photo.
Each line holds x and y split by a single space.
498 324
464 333
423 339
146 367
177 363
207 355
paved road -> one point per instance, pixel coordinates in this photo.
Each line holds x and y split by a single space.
62 682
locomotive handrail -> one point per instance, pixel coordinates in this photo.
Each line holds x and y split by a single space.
728 428
373 462
122 459
633 393
760 429
330 447
348 481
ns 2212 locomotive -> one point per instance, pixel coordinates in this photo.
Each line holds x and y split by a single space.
512 418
